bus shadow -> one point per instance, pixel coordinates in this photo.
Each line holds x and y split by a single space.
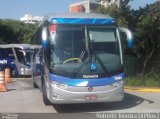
128 102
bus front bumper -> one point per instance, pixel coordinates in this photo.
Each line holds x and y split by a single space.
70 95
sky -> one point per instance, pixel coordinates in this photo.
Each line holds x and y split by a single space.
14 9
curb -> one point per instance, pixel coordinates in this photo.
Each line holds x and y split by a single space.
136 89
15 79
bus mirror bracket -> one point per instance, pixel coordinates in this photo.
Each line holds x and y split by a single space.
130 39
44 37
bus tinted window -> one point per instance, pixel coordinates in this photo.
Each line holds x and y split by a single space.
104 40
6 53
76 47
20 55
68 43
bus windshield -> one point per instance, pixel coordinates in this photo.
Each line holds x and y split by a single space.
78 50
28 57
23 56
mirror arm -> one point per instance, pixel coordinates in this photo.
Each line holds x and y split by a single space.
129 34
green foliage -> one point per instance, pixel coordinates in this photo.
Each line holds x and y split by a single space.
147 81
117 13
145 23
13 31
134 81
148 37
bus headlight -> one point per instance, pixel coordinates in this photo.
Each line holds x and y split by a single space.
25 70
118 83
22 70
59 85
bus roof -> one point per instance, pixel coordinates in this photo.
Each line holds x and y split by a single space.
22 46
80 18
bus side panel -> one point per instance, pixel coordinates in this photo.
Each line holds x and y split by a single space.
37 68
7 59
13 66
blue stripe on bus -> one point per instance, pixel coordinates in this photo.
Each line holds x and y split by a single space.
85 82
77 21
82 21
60 20
94 21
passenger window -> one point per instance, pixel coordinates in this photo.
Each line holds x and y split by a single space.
8 53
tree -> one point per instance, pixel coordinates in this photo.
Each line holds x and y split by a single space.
145 23
117 13
124 2
13 31
118 3
148 37
6 33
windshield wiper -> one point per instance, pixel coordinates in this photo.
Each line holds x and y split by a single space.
101 63
97 57
77 68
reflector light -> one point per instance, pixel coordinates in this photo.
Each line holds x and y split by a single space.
52 28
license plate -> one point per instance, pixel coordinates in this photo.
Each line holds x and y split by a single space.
91 97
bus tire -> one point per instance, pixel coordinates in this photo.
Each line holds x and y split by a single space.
45 99
34 84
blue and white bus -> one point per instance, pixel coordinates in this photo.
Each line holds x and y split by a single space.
17 58
81 59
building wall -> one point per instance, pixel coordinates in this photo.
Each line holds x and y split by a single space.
29 18
85 6
78 8
91 5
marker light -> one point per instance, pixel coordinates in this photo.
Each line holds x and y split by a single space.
44 34
59 85
44 37
118 83
52 28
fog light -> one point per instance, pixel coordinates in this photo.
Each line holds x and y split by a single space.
118 83
55 95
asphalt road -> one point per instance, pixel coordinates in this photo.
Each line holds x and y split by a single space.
21 97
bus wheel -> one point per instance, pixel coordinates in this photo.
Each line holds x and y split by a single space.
45 99
35 85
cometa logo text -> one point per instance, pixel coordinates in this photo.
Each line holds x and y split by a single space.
3 61
90 76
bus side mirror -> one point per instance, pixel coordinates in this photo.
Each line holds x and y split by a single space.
129 35
44 37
